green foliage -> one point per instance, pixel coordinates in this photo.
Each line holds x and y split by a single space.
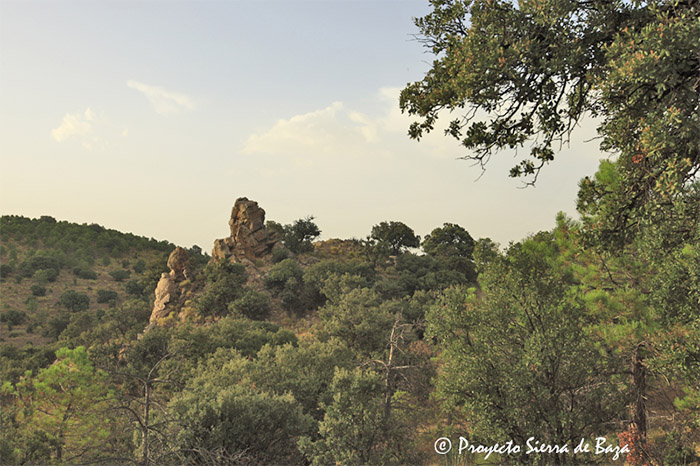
85 272
66 405
40 262
280 254
38 290
520 358
74 301
633 64
55 326
304 370
281 273
449 240
218 415
195 344
14 362
286 281
485 252
411 273
120 275
299 235
296 237
354 430
43 276
135 288
6 270
13 317
106 296
322 276
359 319
224 284
252 305
140 266
393 238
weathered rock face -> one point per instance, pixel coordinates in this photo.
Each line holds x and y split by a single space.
168 291
179 264
249 239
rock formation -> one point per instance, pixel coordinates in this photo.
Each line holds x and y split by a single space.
168 291
249 243
249 239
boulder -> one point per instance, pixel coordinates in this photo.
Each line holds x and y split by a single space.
168 291
249 238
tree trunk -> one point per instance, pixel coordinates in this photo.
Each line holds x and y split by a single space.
639 380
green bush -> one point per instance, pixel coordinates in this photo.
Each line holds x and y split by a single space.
281 273
30 266
55 326
139 266
224 282
13 317
106 296
74 301
134 288
286 280
252 305
120 275
84 272
6 270
31 303
280 254
45 275
38 290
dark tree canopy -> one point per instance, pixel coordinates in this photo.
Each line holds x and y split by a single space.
394 237
523 74
449 240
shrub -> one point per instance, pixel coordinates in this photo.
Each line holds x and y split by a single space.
106 296
224 285
30 266
280 254
84 272
74 301
286 281
55 326
5 270
281 273
139 266
38 290
134 288
120 275
393 238
252 305
13 317
45 275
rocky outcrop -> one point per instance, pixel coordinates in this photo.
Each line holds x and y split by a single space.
169 290
249 238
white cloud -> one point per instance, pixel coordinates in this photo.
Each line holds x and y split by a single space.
91 129
164 102
311 132
77 125
338 132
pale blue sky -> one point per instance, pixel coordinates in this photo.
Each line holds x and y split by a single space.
153 117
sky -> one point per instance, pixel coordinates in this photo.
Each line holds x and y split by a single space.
153 117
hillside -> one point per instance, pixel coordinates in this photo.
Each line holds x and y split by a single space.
300 341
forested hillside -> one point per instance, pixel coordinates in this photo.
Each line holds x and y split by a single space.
576 345
353 313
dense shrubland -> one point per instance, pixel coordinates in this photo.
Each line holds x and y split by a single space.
366 351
